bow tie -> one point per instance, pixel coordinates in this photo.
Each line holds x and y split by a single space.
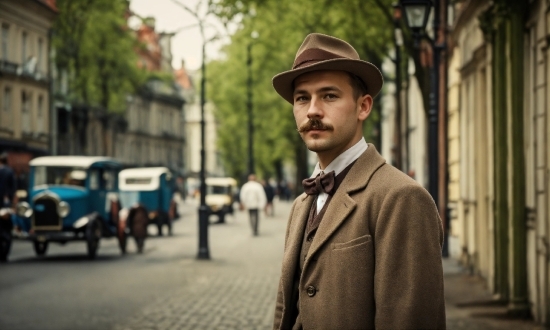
324 182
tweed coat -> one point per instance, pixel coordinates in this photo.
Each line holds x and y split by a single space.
375 261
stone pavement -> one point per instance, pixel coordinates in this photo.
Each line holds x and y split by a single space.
236 289
469 304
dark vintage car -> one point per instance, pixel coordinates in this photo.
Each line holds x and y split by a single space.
147 192
71 198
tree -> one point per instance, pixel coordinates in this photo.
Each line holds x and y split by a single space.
282 25
95 47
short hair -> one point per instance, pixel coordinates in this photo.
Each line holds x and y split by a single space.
358 85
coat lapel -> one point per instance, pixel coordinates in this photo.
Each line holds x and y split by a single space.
294 244
342 204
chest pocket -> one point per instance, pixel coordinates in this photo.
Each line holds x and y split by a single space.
359 241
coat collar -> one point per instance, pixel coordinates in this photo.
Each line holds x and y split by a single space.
341 205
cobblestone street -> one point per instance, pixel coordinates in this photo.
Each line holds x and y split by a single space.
235 290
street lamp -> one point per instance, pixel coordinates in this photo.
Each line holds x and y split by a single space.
398 41
254 35
416 17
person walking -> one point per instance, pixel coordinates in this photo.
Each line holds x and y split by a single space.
363 243
252 198
270 195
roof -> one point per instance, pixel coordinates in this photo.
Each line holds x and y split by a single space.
141 179
70 161
143 172
221 181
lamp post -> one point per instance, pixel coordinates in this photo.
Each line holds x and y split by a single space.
204 251
416 17
249 105
398 41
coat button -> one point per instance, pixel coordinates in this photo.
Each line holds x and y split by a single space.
311 290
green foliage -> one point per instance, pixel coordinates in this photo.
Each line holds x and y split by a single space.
282 26
95 47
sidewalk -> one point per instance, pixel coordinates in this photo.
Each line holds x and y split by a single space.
236 289
469 305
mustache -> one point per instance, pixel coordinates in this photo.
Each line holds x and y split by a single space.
314 123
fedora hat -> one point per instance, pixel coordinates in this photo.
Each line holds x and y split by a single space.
323 52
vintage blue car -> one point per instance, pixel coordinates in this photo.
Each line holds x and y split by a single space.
149 191
71 198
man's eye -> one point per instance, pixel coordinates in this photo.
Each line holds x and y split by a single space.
330 96
300 98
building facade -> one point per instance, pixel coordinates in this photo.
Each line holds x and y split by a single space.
24 79
498 159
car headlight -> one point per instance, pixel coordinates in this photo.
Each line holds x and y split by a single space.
81 222
23 209
63 209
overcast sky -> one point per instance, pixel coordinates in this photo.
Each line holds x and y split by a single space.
170 17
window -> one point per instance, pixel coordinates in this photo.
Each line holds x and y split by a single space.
40 54
40 115
23 48
94 179
6 108
5 40
25 112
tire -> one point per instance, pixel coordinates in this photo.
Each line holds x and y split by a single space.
140 243
159 226
221 217
5 246
93 235
138 227
40 248
122 242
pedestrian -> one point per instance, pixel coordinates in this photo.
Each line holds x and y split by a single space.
7 182
363 243
252 198
270 195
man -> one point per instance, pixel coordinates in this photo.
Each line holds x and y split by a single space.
270 195
7 182
363 244
253 199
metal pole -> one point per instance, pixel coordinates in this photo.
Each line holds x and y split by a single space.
433 112
249 108
204 252
52 77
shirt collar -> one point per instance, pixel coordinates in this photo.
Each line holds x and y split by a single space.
344 159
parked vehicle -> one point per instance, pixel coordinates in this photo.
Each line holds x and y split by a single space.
147 195
71 198
220 195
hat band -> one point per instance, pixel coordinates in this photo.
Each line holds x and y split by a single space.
313 55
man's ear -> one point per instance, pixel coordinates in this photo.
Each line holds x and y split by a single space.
365 107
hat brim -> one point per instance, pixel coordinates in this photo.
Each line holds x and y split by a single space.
371 76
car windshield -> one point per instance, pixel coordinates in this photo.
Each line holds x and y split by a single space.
62 175
217 190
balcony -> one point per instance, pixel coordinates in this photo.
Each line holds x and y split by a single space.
27 71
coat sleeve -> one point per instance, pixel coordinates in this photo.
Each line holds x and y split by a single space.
408 284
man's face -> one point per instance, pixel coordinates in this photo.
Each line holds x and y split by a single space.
328 116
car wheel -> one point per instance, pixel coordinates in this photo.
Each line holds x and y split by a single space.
221 217
139 227
93 235
40 248
5 246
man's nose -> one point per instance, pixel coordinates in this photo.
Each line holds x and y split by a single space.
315 108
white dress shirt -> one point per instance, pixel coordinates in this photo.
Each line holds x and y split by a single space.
338 165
